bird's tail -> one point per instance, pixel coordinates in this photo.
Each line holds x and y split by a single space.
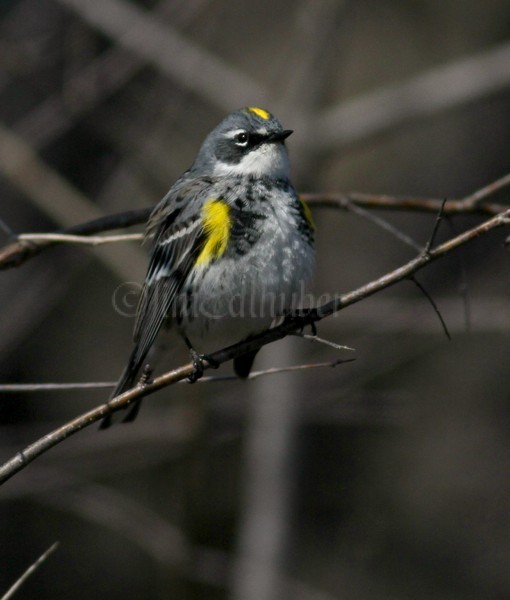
244 363
125 382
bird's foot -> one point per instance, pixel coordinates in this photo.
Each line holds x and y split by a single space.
305 317
198 364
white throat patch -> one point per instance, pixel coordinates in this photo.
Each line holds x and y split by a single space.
266 160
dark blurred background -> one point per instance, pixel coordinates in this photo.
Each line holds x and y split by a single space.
387 477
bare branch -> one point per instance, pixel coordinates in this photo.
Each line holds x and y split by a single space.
18 252
409 204
30 571
101 385
289 326
319 340
54 387
432 238
79 239
383 224
489 190
414 265
306 367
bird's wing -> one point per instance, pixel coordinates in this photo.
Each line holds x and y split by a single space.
176 231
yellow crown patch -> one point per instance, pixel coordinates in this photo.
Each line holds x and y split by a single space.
260 112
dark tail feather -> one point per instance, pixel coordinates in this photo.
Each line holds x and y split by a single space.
244 363
125 383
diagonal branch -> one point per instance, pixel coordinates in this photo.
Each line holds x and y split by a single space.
289 326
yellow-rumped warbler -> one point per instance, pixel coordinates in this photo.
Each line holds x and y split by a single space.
232 245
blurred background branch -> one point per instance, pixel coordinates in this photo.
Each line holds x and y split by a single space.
442 88
56 197
192 67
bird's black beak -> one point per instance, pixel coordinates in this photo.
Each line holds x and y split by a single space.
279 136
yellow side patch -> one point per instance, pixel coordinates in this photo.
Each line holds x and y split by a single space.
307 213
216 226
260 112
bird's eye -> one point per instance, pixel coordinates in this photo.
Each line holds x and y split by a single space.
241 139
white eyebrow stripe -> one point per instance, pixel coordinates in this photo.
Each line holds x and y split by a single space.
232 134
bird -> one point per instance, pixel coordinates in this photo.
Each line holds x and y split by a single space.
232 247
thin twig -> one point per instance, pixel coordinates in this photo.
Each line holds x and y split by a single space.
433 235
319 340
424 291
101 385
30 571
20 251
54 387
489 190
80 239
290 325
414 265
324 365
341 200
383 224
274 371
